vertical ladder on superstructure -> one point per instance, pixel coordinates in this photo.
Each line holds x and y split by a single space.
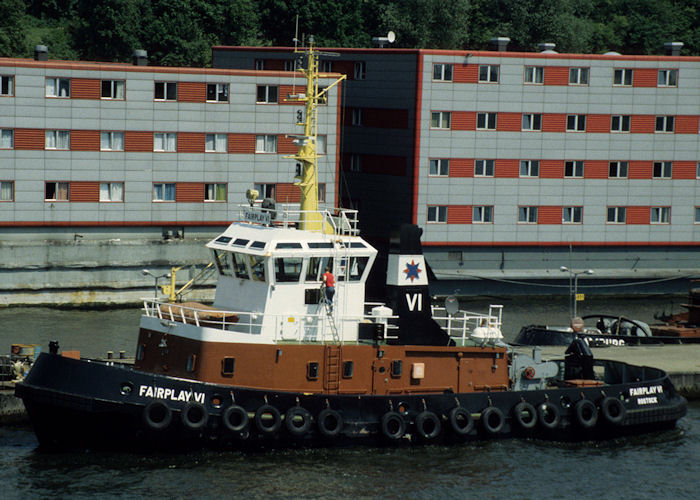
331 378
329 315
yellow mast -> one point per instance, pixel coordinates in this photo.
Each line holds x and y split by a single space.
307 155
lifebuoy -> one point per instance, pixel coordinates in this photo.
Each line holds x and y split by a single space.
548 415
268 419
613 410
157 415
492 419
525 415
586 413
461 420
194 416
330 422
235 418
428 425
393 425
297 420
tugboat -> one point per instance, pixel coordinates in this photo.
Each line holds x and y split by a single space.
277 361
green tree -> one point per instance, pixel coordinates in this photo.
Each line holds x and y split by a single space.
13 28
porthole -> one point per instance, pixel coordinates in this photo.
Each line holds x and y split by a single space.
312 371
348 368
227 366
396 368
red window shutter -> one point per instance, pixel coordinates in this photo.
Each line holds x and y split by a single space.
190 142
549 214
553 122
684 169
274 64
287 192
552 169
85 140
645 77
465 73
191 91
285 145
84 88
84 192
188 192
507 168
30 138
509 122
640 170
638 215
598 124
138 141
459 214
461 167
556 75
241 143
687 124
596 169
464 120
642 124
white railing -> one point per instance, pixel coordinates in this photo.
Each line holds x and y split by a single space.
460 325
344 221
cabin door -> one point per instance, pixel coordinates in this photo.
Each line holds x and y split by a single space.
380 376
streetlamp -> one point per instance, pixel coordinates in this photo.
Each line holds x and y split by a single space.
146 272
573 275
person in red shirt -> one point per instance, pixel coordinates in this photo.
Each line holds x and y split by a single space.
329 283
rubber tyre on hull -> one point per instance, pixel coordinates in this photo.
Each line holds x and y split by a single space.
613 410
330 422
157 415
265 427
548 415
393 425
194 416
461 421
525 415
297 415
235 418
428 425
492 419
586 413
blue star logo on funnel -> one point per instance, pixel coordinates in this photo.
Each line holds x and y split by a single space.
412 270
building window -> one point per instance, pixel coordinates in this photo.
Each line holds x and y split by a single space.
259 64
484 168
7 85
58 87
327 66
532 122
360 70
440 167
578 76
697 215
664 123
215 192
355 163
668 78
267 94
111 191
7 138
573 168
442 72
437 214
165 141
58 139
620 123
534 74
217 92
322 95
488 73
571 215
216 143
163 191
482 214
576 123
266 190
321 144
617 169
265 143
527 215
321 192
486 121
357 117
7 191
165 91
622 77
440 119
529 168
663 169
57 191
113 89
617 215
660 215
112 141
290 65
697 171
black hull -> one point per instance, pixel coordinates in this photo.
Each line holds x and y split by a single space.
87 404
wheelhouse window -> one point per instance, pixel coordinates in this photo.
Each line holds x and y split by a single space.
217 92
266 144
111 141
664 123
7 191
7 85
165 142
527 215
442 72
437 214
440 167
622 77
57 191
617 169
288 269
572 215
163 191
660 215
440 119
578 76
529 168
662 169
486 121
267 94
239 267
58 139
111 191
573 168
165 91
216 143
58 87
484 168
617 215
215 191
534 74
668 78
482 214
360 70
532 122
7 138
257 267
576 123
316 268
352 268
113 89
488 73
620 123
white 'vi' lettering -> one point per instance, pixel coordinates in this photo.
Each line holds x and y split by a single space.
414 300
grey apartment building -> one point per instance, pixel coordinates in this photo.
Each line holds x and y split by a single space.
515 164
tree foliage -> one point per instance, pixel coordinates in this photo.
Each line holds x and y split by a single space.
182 32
